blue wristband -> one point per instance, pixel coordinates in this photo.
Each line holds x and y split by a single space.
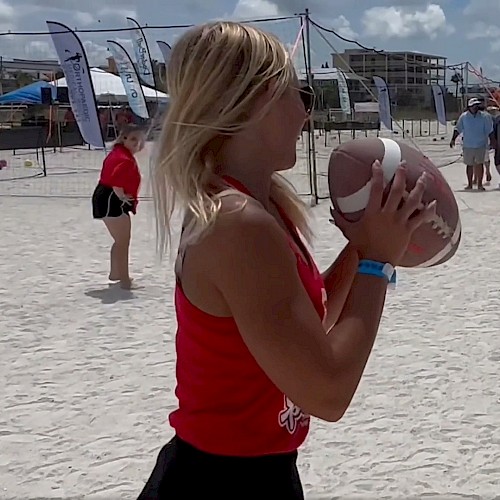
379 269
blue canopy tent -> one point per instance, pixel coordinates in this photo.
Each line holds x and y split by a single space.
31 94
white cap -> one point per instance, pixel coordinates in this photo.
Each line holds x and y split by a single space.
474 101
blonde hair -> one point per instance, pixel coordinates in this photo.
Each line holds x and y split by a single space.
128 129
215 73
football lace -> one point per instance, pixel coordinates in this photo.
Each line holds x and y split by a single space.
437 222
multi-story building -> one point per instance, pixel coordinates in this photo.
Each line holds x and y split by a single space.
15 73
408 75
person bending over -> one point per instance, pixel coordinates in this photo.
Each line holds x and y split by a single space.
116 196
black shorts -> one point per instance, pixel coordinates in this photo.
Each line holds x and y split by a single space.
105 203
184 473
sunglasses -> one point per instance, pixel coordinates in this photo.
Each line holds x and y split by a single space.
308 97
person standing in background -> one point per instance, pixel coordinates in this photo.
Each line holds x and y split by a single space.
123 118
117 195
69 121
476 127
104 114
487 160
495 113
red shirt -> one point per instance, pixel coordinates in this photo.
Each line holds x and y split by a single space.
227 404
120 169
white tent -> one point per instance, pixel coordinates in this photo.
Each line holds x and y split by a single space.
109 86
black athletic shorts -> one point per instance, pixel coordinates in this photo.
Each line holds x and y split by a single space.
105 203
185 473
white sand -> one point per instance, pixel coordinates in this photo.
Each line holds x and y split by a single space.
87 371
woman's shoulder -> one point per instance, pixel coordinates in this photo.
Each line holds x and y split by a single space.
119 154
241 222
114 152
238 210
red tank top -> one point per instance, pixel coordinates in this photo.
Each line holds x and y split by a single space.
227 404
120 169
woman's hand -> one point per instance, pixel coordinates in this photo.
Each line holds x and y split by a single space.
128 199
385 229
124 197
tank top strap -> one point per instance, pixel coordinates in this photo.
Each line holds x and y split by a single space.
183 245
231 181
181 253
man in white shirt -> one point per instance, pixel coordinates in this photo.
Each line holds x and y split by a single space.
487 161
476 128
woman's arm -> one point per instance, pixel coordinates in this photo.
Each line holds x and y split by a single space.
494 134
121 180
248 259
457 130
119 191
338 279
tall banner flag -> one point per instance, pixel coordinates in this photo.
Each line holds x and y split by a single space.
130 79
81 93
437 91
345 101
165 51
384 103
142 55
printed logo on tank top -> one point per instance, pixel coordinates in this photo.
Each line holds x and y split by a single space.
292 417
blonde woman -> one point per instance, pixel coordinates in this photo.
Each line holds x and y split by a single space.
116 195
264 340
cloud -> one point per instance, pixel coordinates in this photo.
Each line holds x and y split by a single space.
117 13
485 25
420 25
343 27
248 9
403 22
6 16
483 30
6 11
481 10
84 18
30 15
96 53
320 9
39 49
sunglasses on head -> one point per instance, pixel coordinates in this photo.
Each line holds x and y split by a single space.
308 97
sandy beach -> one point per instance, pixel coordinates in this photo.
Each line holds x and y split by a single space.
87 369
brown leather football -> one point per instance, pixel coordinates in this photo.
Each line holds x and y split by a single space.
349 175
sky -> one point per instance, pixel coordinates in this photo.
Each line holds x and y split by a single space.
461 30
